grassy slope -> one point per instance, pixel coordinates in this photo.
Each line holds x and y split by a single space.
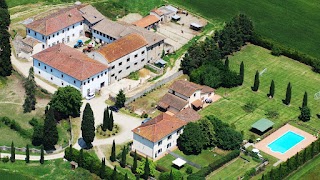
309 171
291 23
281 70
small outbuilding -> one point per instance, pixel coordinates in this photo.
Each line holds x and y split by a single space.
161 63
176 17
262 126
179 162
196 26
74 165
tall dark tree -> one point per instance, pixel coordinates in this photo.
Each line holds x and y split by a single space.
271 91
70 153
305 114
50 132
241 78
30 88
80 158
37 136
87 125
5 18
102 173
126 176
120 99
246 27
13 153
171 175
111 121
123 161
41 155
135 163
3 4
226 64
5 53
113 152
287 100
312 150
208 133
256 84
146 169
305 100
138 177
27 159
114 173
106 119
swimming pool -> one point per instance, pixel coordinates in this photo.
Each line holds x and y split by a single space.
285 142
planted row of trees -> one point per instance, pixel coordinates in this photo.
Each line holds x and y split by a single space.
208 132
108 120
5 47
27 158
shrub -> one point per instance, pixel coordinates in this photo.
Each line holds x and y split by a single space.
5 159
250 106
34 122
189 170
272 114
276 51
166 175
12 124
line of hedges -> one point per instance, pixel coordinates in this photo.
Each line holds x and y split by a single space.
90 163
288 52
12 124
158 167
205 171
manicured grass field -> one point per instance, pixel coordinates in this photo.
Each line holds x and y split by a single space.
282 70
291 23
309 171
55 169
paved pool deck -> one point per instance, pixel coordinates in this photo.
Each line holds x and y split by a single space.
263 145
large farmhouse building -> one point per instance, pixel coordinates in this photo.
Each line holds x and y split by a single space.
65 66
158 135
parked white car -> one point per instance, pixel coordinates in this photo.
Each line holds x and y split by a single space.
90 96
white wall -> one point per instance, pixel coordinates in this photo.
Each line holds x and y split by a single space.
100 37
196 95
142 145
95 85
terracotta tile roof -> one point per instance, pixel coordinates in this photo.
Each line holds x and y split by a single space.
146 21
91 14
188 115
185 88
56 21
70 61
30 41
122 47
173 101
159 127
197 103
207 89
158 12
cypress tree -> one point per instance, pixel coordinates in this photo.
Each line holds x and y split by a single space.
305 100
288 95
80 158
262 178
305 114
255 86
171 175
30 88
271 92
241 79
297 161
27 154
304 156
87 125
135 163
5 53
102 172
138 177
41 155
106 119
50 132
226 64
113 152
114 173
110 121
126 176
13 153
70 153
312 149
146 169
123 157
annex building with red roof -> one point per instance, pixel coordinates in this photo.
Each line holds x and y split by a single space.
158 135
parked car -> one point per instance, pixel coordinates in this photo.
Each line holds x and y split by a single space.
78 44
114 108
90 96
89 48
208 100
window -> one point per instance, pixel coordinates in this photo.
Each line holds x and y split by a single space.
112 75
84 83
159 143
73 27
62 83
57 42
105 72
194 95
169 137
72 35
142 60
136 55
39 72
168 145
45 67
80 23
35 33
53 35
62 31
178 132
88 81
57 33
98 76
29 31
38 64
92 79
135 63
50 70
74 81
128 67
112 67
101 74
142 52
104 35
42 37
68 29
42 46
51 78
120 71
128 59
120 63
160 150
62 75
49 37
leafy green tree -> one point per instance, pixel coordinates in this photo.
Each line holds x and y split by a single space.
80 158
271 91
5 18
13 153
120 99
126 176
246 27
102 173
135 163
191 141
123 161
305 100
114 173
66 101
146 169
87 125
305 114
142 166
37 136
241 78
208 133
41 155
288 95
30 88
256 84
111 121
27 159
3 4
173 174
106 119
113 152
50 131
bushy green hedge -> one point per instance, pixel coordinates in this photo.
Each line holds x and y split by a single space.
12 124
288 52
214 166
90 163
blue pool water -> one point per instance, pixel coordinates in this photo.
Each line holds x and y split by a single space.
285 142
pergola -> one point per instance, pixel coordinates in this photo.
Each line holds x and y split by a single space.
179 162
262 125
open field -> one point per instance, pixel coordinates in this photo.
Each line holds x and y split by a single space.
282 70
55 169
291 23
309 171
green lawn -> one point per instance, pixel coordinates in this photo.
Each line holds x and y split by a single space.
55 169
309 171
291 23
281 70
232 171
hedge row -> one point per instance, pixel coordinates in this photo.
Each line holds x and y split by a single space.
293 163
158 167
89 163
205 171
12 124
288 52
